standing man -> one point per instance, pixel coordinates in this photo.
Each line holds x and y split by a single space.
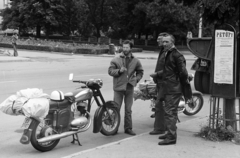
174 71
14 44
159 123
126 71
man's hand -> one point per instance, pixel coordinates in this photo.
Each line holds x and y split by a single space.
154 75
122 69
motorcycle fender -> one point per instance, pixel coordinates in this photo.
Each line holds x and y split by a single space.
27 133
112 104
97 123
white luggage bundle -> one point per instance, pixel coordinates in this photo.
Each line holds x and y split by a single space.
29 102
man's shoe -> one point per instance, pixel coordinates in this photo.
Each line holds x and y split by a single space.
167 136
162 137
156 132
130 132
167 142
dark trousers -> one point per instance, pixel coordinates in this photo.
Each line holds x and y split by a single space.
15 53
127 96
159 123
171 114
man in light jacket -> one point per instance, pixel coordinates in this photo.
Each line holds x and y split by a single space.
126 71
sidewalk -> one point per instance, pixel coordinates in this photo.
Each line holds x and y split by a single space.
146 146
29 55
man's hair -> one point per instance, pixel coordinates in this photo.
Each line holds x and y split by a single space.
128 42
172 38
163 34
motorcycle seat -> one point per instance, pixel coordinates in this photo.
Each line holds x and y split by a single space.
59 104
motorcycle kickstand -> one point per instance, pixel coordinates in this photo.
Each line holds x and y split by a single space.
74 139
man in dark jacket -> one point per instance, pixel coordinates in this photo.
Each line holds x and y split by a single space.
174 71
126 71
159 123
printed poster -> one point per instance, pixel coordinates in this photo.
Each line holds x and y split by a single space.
224 57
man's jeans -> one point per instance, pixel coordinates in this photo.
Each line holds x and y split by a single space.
128 101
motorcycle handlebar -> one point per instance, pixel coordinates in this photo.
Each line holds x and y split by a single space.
84 82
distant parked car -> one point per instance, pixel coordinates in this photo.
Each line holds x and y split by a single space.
9 31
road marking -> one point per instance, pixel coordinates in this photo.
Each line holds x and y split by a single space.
93 75
7 81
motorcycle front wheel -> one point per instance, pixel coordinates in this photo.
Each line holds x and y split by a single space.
110 121
40 131
195 106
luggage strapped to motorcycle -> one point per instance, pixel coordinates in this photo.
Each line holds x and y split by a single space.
14 111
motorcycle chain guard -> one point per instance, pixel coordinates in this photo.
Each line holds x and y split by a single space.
97 122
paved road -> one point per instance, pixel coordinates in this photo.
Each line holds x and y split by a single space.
50 72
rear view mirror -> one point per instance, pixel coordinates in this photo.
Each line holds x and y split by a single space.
71 76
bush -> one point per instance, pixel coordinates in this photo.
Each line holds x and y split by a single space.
56 46
218 134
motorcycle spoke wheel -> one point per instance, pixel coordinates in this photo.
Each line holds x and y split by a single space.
195 106
110 121
40 131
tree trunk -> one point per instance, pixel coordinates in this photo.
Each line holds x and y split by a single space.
38 31
230 112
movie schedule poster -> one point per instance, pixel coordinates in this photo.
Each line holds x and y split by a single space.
224 57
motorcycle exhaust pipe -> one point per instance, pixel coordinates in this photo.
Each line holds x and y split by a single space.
63 135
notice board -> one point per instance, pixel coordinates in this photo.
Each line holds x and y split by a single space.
224 82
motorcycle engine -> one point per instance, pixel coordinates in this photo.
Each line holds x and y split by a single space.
81 106
79 122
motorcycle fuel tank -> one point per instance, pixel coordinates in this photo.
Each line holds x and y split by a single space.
83 94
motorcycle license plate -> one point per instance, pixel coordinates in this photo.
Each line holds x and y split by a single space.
26 123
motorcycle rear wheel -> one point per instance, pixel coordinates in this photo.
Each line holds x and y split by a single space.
196 105
110 123
36 134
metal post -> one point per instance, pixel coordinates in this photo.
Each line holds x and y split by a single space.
224 121
214 107
210 115
217 112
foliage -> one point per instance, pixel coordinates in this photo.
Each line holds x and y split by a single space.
220 11
218 134
173 17
119 18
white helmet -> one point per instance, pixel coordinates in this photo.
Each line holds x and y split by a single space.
57 95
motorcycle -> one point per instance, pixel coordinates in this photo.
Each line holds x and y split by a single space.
61 121
147 91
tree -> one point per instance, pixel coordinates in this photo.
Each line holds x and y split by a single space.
173 17
98 14
220 11
33 13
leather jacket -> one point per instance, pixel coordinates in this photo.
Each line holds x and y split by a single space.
174 70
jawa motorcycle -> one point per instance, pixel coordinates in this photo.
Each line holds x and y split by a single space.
190 107
61 122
